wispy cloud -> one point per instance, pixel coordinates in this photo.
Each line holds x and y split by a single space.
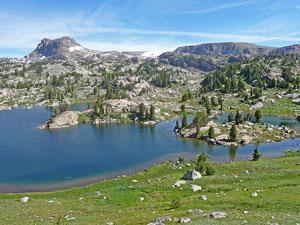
228 5
103 28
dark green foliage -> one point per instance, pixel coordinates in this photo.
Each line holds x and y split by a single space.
230 117
181 159
256 155
202 166
184 122
220 101
177 124
238 117
184 97
233 133
182 107
152 112
208 110
210 170
211 132
142 112
258 115
248 117
201 118
99 107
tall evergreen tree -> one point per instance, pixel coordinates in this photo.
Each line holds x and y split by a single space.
184 122
152 112
258 115
233 133
211 132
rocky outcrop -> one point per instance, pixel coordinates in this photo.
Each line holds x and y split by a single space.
65 119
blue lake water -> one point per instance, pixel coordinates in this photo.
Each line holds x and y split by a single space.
33 157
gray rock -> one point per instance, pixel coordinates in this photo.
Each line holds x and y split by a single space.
203 197
192 175
162 219
296 101
184 220
195 211
155 223
24 199
179 183
254 194
218 215
196 188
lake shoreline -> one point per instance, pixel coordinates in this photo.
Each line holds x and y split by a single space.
84 182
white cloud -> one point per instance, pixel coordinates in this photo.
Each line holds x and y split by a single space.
25 32
219 7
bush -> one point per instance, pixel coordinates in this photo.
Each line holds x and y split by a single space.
256 155
203 167
175 204
181 159
210 170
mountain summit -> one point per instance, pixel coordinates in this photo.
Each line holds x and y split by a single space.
58 49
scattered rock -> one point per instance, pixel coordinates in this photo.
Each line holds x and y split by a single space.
192 175
179 182
195 211
24 199
196 188
203 197
184 220
254 194
218 215
162 219
142 199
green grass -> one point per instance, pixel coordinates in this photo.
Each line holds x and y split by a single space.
277 178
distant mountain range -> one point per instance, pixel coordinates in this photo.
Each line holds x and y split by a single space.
204 57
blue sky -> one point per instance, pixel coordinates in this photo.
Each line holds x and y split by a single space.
146 25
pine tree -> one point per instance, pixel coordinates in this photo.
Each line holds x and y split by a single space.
233 133
152 112
230 117
142 111
256 154
258 115
211 132
220 103
238 117
184 122
182 107
177 125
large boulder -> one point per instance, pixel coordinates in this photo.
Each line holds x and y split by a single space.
296 101
24 199
192 175
218 215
